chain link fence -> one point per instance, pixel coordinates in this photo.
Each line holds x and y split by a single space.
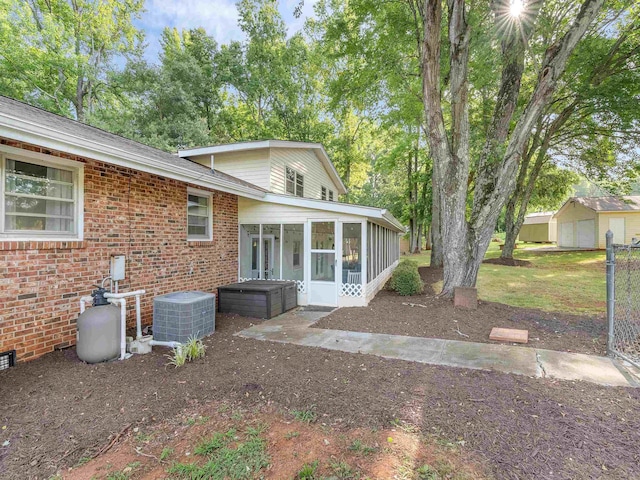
623 300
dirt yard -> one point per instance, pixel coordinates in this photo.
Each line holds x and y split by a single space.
57 412
429 316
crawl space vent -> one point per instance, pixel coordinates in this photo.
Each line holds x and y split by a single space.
7 359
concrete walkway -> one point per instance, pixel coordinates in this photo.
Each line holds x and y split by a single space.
293 327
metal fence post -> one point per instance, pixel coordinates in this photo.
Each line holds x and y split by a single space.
611 265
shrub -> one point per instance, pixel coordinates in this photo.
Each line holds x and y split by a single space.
406 279
195 348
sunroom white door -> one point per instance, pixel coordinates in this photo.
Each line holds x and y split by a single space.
322 263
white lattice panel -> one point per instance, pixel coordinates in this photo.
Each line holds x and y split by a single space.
351 290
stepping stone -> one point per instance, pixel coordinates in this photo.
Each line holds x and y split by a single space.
509 335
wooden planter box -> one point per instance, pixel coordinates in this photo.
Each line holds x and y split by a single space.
258 298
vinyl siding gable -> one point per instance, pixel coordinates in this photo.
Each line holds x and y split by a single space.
304 162
251 166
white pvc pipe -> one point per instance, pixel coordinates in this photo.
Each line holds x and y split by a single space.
164 344
125 294
123 325
84 301
138 319
115 297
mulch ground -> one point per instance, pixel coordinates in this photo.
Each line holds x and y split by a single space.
427 315
57 410
508 262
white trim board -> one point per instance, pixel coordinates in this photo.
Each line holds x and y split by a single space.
46 137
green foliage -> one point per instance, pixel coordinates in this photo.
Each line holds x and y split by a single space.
228 457
188 352
305 416
427 472
308 471
166 453
58 54
406 278
359 446
217 441
194 349
178 356
344 471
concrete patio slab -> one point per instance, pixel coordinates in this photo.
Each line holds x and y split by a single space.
293 327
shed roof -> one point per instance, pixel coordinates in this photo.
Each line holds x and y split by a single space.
538 217
623 203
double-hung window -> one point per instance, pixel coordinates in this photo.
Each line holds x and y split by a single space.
331 195
323 193
294 182
41 197
199 218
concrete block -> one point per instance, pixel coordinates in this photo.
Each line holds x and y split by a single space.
509 335
465 297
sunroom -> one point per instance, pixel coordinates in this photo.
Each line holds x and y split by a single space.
338 254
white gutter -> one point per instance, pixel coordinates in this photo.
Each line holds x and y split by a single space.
43 136
335 207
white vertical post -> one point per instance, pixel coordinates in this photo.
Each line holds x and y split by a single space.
239 249
338 258
281 247
260 254
363 256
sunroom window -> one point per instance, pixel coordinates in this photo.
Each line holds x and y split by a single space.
199 216
39 199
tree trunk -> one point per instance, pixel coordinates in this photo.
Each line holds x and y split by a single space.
511 231
435 235
468 240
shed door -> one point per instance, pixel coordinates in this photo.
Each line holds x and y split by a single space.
586 233
566 234
616 225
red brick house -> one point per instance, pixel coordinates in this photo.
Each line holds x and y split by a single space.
73 195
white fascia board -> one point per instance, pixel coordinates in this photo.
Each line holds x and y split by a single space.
42 136
379 214
245 146
319 150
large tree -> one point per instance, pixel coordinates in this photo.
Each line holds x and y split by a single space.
592 125
57 53
466 229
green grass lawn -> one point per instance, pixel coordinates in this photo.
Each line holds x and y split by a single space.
570 282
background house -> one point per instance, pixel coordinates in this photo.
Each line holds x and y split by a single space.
72 196
584 221
339 254
539 228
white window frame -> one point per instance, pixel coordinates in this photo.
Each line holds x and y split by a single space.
330 196
77 169
323 193
296 174
209 196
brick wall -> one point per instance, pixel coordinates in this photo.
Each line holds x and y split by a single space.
127 212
